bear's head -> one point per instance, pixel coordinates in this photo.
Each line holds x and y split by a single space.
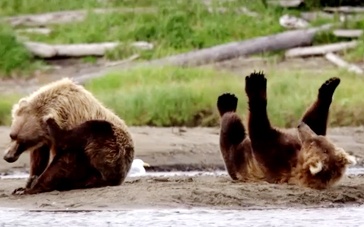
321 159
26 132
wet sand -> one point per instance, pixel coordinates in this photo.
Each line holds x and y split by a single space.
187 149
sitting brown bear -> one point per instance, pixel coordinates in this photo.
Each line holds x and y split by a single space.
70 105
76 155
303 156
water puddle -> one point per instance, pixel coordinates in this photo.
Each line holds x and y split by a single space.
348 216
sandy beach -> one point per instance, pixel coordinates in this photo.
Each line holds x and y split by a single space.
184 149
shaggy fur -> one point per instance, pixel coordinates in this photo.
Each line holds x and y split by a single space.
303 156
70 105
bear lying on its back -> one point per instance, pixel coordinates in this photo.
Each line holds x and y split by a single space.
304 156
70 105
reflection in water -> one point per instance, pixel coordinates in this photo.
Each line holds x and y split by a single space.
348 216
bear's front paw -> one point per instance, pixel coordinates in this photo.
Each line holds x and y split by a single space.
31 181
19 191
256 85
328 88
227 103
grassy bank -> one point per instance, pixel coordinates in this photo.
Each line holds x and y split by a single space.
172 96
172 26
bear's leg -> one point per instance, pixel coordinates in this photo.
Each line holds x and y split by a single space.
39 159
68 170
232 133
316 116
259 126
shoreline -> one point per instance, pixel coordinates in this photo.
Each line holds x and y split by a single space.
187 149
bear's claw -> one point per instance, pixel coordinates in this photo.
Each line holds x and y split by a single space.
227 102
18 191
256 85
328 88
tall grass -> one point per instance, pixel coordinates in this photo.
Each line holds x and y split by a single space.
169 96
13 55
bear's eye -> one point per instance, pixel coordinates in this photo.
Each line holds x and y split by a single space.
13 136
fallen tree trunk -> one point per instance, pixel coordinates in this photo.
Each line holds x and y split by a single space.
281 41
335 59
348 33
63 17
43 50
344 9
319 50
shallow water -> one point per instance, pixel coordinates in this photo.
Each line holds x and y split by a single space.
348 216
20 175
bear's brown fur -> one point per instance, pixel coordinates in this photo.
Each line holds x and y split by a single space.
70 105
301 156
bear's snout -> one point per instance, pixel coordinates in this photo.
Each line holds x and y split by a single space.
10 158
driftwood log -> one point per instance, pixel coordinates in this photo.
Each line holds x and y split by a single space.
348 33
336 60
319 50
70 16
281 41
344 9
43 50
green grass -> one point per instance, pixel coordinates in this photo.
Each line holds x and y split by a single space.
6 103
13 55
174 27
172 96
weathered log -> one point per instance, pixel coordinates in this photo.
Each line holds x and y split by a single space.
43 31
319 50
286 3
348 33
43 50
344 9
62 17
281 41
335 59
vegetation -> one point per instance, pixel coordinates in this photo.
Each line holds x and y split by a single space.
170 96
173 26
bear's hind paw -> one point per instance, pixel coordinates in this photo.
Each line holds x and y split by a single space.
328 88
256 85
227 103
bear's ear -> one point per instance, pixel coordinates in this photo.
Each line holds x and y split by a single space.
47 117
21 103
304 132
316 167
349 159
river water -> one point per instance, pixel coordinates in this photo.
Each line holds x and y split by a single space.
331 217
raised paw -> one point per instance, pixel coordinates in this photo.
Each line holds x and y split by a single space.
227 103
256 85
19 191
328 88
